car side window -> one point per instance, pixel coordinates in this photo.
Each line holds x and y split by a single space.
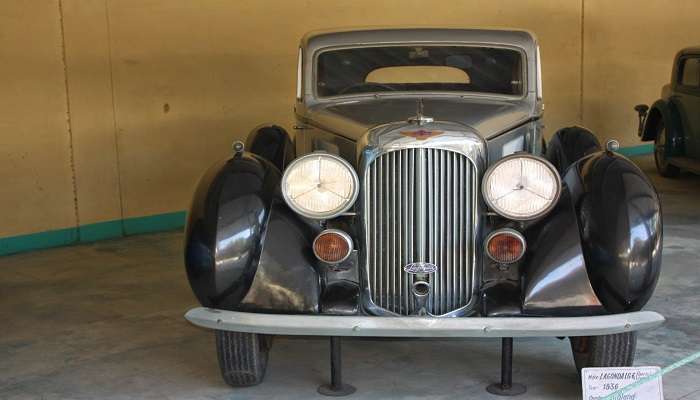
690 72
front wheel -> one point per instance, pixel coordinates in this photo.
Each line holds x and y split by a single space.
242 357
604 351
661 154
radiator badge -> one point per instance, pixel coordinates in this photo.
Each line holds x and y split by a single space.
420 268
421 134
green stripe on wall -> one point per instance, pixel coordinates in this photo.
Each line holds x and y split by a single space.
35 241
92 232
632 151
155 223
100 231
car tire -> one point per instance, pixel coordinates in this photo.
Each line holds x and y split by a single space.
604 351
242 357
660 158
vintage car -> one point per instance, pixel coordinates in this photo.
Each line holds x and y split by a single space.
416 199
673 122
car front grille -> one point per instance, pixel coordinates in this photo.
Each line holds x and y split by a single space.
420 205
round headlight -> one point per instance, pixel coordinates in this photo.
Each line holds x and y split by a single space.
320 185
521 187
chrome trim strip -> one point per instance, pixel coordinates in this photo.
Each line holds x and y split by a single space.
328 325
420 205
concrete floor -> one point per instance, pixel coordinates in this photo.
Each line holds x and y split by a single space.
105 321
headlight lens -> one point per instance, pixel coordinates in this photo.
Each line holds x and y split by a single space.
320 185
521 187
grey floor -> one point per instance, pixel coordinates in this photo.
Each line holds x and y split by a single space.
104 321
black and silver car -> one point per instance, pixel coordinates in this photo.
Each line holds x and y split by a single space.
416 199
673 121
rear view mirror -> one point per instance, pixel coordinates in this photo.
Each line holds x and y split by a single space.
641 109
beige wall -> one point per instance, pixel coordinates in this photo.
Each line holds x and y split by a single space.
628 55
224 67
150 92
88 73
36 188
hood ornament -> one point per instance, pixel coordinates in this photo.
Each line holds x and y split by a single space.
420 119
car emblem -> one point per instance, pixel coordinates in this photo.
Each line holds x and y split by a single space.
420 268
421 134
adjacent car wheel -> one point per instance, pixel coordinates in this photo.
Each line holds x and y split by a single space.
660 156
604 351
242 357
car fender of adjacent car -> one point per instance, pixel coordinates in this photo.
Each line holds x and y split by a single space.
665 110
676 111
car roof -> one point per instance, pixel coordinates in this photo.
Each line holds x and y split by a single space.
690 50
392 35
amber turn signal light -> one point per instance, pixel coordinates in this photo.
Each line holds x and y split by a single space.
332 246
505 246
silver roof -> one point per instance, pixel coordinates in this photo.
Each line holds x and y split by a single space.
364 36
690 50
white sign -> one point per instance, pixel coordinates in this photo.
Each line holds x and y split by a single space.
600 382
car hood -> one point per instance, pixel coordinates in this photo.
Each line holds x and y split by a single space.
353 119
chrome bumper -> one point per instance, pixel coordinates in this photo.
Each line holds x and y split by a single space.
327 325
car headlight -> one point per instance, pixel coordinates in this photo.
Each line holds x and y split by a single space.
320 185
521 187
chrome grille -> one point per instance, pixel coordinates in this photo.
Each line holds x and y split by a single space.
420 206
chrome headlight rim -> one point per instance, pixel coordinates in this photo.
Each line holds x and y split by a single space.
540 214
319 216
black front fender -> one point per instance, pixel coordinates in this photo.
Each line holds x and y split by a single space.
599 250
619 218
229 241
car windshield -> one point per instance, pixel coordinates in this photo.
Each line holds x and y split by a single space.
419 68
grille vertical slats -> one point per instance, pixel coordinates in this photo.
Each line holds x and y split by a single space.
443 250
381 291
431 216
421 207
387 226
395 288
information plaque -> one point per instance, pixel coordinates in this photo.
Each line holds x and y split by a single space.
601 382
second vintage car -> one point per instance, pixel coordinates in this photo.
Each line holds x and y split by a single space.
673 122
416 199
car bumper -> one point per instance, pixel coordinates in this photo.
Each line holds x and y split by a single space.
327 325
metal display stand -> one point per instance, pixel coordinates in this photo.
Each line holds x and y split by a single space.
506 387
336 387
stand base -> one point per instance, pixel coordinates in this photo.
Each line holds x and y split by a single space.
343 390
498 389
